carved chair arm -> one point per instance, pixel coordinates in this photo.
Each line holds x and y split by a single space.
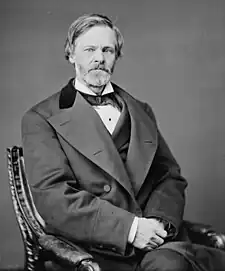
68 255
205 234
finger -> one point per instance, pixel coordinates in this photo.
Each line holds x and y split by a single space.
158 240
152 244
139 246
147 248
160 232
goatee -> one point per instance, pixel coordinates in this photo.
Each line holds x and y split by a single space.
97 78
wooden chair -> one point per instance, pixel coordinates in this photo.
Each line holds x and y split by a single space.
41 247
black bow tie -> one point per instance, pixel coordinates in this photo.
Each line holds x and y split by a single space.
97 100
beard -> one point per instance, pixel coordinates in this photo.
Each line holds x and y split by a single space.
96 77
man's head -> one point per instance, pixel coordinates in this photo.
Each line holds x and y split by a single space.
93 45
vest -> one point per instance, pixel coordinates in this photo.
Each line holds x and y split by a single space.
121 133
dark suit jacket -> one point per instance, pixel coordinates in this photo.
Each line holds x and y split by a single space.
80 185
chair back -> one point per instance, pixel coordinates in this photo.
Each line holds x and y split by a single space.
30 222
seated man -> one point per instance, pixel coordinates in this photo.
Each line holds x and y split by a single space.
101 174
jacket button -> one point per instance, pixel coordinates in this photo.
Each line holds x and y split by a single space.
107 188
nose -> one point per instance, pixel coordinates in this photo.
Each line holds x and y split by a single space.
99 56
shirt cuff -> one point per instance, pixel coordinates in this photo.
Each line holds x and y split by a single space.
133 230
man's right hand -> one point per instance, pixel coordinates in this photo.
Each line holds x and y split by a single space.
150 234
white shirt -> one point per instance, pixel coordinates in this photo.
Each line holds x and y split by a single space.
108 113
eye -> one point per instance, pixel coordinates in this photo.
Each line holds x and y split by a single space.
109 50
89 50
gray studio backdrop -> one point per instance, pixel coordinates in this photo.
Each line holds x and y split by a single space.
174 58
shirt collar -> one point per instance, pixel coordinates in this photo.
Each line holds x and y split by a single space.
82 88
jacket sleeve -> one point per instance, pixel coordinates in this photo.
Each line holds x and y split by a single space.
75 214
167 200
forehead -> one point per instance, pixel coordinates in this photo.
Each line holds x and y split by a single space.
97 35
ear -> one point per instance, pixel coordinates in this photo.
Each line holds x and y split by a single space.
72 58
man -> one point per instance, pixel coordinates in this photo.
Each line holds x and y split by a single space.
100 171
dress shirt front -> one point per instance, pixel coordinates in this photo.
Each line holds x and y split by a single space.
108 113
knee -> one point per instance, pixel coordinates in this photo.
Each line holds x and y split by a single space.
164 260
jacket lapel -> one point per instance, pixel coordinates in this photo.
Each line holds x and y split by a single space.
143 141
81 126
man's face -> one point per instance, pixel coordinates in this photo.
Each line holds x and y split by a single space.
95 56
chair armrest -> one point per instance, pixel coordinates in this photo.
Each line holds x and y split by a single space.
205 234
68 255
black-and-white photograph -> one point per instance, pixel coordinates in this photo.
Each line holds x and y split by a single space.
112 148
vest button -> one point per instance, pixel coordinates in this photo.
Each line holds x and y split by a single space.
107 188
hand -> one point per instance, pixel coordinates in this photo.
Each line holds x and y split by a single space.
150 234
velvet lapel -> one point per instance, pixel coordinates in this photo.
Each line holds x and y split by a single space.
81 126
143 141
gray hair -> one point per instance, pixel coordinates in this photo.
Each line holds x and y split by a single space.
86 22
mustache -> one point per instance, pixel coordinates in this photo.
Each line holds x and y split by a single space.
102 68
